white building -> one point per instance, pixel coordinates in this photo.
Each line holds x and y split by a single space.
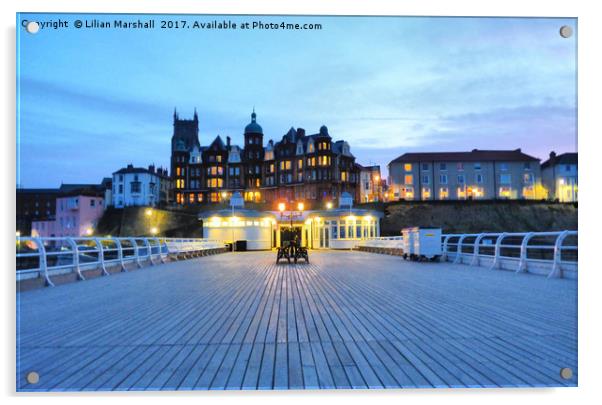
138 186
559 175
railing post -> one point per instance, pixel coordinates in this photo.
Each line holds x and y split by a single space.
136 252
556 267
445 247
160 245
73 245
43 261
522 264
458 258
475 255
101 257
149 251
120 254
497 252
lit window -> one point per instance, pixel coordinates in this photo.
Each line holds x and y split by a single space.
300 164
426 193
505 192
443 193
409 179
407 167
461 192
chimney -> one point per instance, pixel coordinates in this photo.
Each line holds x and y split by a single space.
300 132
228 142
130 166
151 168
552 155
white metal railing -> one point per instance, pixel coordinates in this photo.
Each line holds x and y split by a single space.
550 253
392 242
47 257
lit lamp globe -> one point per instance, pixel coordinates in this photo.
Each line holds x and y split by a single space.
300 206
148 212
281 207
328 205
154 230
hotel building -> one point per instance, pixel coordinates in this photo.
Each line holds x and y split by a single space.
313 168
478 174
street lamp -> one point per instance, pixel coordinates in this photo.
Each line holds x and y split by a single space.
329 205
154 230
89 231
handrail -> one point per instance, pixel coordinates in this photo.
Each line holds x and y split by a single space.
41 256
515 250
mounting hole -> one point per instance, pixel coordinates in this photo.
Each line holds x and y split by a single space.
33 377
566 31
566 373
32 27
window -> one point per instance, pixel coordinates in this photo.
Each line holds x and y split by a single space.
503 166
121 189
408 179
343 176
426 193
407 167
443 166
178 171
310 147
219 158
477 166
443 178
92 202
460 166
461 179
425 166
191 198
505 179
528 178
300 164
135 187
527 166
479 178
443 193
505 192
199 197
425 179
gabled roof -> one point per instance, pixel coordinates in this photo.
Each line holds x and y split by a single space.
475 155
218 144
562 159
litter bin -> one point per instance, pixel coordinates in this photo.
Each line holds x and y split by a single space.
241 245
421 243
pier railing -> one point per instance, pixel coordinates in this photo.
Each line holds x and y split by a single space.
553 254
47 257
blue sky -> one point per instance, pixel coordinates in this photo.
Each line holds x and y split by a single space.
92 100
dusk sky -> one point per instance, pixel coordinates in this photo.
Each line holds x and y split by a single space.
91 101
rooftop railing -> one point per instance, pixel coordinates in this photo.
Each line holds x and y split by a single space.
553 254
48 257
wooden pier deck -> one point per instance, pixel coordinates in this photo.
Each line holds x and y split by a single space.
347 320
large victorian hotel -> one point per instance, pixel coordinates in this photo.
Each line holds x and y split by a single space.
298 167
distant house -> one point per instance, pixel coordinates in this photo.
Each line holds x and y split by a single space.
559 175
139 186
77 214
478 174
39 205
370 184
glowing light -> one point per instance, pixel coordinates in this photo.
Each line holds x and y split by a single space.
300 206
89 231
154 230
368 217
329 205
317 219
376 178
148 212
308 221
350 218
18 234
224 194
281 207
